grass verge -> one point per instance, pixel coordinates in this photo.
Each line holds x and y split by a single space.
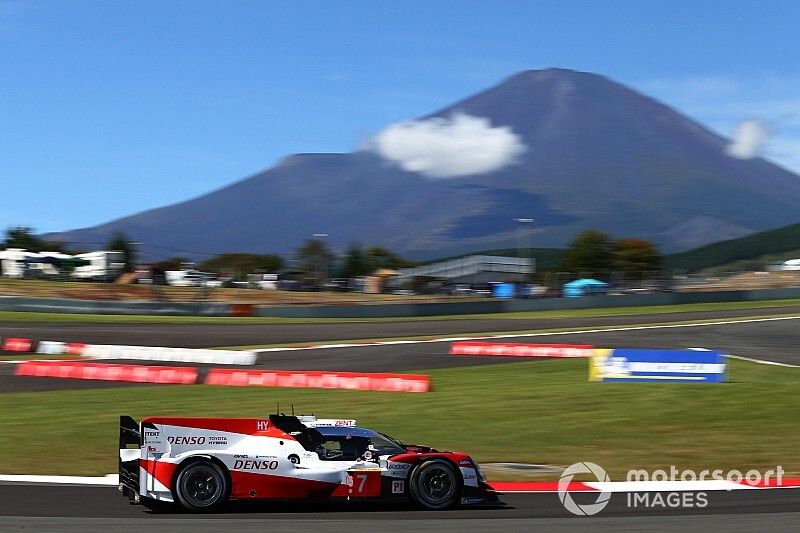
538 411
10 316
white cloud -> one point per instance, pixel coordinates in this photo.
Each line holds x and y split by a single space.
461 145
721 103
748 139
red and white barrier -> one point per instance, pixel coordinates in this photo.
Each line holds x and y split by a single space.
319 379
12 344
74 348
521 350
104 372
162 353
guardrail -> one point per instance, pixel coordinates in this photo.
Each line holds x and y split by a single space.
101 307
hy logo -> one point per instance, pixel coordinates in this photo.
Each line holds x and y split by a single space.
587 509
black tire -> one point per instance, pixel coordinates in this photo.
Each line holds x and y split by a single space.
435 484
202 487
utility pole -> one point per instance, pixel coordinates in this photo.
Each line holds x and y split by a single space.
520 223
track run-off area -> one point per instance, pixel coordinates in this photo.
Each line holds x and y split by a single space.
749 333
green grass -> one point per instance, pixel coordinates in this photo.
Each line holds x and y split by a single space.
31 356
542 412
9 316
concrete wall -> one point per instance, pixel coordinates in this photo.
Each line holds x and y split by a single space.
99 307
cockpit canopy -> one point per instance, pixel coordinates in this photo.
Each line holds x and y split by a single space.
352 443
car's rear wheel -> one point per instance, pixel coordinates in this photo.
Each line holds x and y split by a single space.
202 487
435 484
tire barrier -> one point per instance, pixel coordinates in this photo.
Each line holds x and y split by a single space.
115 351
108 372
319 379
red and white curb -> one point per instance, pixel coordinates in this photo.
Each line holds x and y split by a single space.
112 480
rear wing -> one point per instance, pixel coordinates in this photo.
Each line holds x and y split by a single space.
130 442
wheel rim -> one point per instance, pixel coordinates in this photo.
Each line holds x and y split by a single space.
437 485
201 486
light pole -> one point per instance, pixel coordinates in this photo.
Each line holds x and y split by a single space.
520 222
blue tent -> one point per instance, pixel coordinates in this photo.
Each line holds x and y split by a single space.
584 287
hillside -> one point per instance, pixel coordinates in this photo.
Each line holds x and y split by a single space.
747 253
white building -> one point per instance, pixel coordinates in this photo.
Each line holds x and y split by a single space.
103 265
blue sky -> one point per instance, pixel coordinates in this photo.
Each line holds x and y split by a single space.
109 108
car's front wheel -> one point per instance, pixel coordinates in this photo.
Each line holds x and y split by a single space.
435 484
202 487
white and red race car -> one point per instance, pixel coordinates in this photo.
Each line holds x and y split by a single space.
202 463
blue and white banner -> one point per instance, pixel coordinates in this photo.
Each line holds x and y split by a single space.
681 366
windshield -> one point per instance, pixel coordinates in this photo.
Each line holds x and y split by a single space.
352 448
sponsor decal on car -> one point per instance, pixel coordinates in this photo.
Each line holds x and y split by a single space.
255 465
398 486
186 441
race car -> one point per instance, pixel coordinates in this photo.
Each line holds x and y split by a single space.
202 463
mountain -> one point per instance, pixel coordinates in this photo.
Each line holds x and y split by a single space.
597 154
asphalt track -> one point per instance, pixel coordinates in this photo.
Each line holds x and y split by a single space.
80 508
214 335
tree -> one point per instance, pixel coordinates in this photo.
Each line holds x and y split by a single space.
591 251
315 259
22 237
382 258
636 255
239 265
356 263
120 243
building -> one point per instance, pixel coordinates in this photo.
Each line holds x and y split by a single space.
472 269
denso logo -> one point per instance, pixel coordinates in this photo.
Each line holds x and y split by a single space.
399 466
186 440
255 465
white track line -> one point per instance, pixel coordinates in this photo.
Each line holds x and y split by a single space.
112 480
522 335
107 480
761 361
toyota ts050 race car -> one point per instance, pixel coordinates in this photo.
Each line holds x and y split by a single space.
201 463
